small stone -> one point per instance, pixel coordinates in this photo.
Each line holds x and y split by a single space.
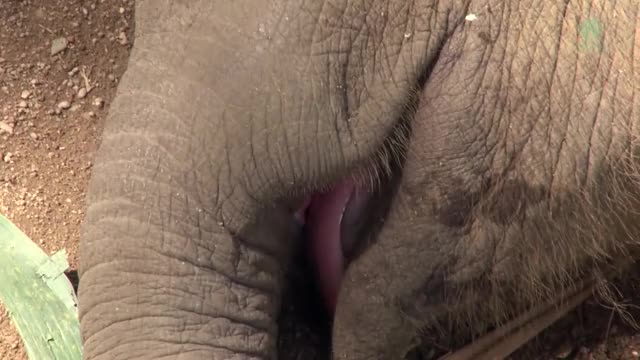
98 102
121 10
64 105
22 104
34 136
58 45
635 353
7 128
122 38
25 94
82 93
88 115
7 157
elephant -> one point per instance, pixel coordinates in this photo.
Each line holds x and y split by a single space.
449 164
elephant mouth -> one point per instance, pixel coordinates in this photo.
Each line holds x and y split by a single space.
342 222
338 225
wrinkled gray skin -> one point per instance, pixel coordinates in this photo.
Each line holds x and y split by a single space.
519 177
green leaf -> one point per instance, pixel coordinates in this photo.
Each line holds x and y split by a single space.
38 296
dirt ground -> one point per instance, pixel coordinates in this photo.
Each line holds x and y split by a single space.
52 109
48 129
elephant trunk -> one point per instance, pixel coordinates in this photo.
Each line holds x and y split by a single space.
162 266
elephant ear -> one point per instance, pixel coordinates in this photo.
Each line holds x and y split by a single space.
38 296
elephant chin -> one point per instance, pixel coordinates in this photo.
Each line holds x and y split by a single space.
332 220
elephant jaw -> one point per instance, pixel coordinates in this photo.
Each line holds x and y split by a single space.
331 220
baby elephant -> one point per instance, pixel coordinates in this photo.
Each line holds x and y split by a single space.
454 163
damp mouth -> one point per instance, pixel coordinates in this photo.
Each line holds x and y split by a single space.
325 217
340 224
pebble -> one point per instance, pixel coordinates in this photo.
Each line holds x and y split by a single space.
22 104
25 94
82 93
58 45
34 136
98 102
4 127
122 38
64 105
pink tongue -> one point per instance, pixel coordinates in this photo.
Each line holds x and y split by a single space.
323 223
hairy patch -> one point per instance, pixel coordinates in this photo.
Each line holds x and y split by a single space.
526 245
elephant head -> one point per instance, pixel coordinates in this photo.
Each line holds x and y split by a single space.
452 162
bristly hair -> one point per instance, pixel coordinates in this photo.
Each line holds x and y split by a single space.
590 232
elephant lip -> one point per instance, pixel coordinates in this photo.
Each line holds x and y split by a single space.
331 219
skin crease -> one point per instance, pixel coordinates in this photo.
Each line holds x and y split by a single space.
519 175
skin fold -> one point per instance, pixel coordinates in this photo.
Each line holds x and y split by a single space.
506 140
